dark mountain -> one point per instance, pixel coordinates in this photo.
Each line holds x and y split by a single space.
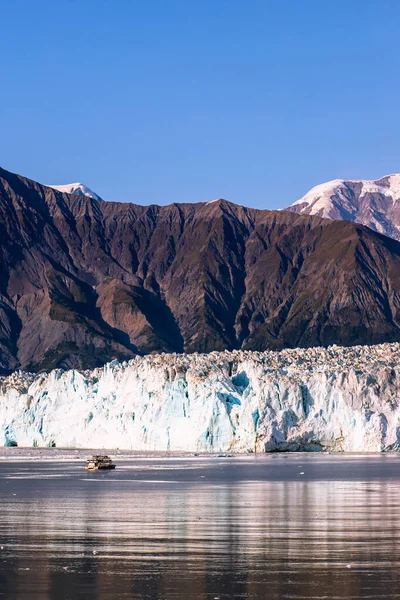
84 281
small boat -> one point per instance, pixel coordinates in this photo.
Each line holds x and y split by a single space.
99 461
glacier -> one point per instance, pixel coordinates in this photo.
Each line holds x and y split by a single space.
318 399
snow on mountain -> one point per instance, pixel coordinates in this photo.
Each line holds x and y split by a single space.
78 189
336 398
372 203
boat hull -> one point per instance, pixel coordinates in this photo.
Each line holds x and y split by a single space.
97 468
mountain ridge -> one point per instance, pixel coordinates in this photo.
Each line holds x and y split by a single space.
85 281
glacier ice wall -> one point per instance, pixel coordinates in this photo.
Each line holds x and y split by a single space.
338 399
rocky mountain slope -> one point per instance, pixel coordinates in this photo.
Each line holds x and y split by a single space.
78 189
84 281
372 203
336 399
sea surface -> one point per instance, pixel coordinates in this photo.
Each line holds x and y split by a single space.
280 526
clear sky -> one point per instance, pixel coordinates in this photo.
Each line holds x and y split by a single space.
155 101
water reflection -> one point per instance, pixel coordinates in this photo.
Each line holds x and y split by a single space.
216 529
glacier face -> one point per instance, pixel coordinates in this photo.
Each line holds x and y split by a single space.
337 399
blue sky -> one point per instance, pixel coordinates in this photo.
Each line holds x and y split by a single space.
183 101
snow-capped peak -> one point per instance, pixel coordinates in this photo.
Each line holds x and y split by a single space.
375 203
78 189
320 196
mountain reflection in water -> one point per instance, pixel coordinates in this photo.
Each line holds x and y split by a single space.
270 527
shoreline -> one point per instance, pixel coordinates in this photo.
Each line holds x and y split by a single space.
79 454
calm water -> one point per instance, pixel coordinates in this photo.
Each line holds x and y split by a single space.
279 526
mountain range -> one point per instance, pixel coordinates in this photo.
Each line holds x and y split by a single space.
84 281
374 203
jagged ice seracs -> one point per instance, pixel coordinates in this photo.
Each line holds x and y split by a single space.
336 399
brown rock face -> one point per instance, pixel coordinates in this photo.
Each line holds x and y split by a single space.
84 281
